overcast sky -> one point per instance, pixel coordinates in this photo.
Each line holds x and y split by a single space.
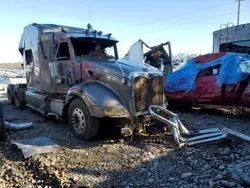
188 24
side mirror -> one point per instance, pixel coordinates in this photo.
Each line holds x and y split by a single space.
60 79
53 67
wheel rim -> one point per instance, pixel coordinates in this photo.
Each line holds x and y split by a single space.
78 120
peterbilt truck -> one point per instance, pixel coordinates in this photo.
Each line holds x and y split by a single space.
75 75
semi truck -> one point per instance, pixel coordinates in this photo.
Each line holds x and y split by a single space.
75 75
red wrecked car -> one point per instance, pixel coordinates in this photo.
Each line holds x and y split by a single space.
219 78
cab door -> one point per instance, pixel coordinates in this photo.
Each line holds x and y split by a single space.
61 67
206 87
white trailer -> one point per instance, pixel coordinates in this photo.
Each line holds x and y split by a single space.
232 38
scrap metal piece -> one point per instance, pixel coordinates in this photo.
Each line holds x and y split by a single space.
237 134
184 137
35 146
18 126
127 131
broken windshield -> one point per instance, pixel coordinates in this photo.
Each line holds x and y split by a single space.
237 46
94 48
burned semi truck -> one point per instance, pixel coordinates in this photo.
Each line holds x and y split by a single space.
75 74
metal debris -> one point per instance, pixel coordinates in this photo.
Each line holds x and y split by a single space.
184 137
34 146
18 126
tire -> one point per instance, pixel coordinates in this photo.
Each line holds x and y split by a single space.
78 115
19 104
2 125
10 93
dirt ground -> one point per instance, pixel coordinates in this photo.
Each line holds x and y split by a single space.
109 162
10 66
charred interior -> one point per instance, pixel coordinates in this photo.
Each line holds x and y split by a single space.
159 58
98 48
209 71
240 47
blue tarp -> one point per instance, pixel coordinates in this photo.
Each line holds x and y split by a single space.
235 67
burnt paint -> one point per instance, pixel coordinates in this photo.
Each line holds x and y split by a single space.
97 94
108 87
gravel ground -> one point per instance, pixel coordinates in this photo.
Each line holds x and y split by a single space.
148 162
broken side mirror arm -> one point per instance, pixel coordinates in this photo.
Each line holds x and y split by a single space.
59 79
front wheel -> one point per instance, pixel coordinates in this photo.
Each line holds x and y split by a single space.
84 126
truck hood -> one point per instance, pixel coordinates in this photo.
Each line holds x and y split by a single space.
121 67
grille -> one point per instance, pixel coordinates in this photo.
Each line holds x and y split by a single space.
147 91
141 96
156 90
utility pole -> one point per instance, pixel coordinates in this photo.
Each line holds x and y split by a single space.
238 14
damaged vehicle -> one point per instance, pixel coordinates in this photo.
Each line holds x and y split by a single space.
75 74
186 76
156 56
218 79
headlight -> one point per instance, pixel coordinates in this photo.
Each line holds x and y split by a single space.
114 112
58 80
124 80
109 111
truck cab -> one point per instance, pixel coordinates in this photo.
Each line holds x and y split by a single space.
75 74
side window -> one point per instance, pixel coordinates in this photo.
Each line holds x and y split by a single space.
63 51
28 57
210 71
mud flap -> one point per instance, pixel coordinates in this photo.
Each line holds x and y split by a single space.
184 137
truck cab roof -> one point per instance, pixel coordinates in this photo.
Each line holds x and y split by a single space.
34 33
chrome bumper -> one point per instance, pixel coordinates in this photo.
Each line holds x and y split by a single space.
184 137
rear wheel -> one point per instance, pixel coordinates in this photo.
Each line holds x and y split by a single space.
19 104
10 93
84 126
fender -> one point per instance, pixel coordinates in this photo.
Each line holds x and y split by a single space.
100 99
